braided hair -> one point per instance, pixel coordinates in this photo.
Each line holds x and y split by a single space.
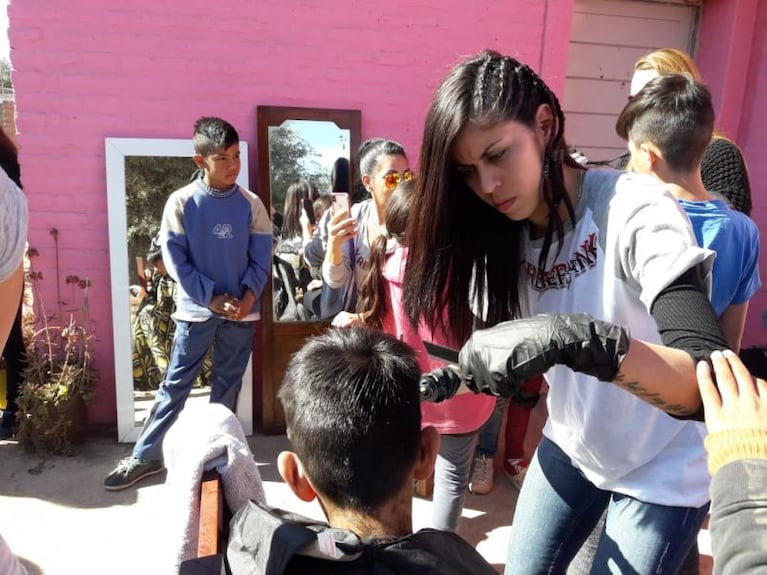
462 250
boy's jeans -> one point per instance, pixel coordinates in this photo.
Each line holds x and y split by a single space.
558 507
232 343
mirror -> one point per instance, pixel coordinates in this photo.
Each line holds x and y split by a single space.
312 139
141 173
302 154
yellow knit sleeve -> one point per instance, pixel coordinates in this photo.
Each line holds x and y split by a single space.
732 444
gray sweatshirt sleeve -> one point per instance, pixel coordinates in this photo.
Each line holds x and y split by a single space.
13 226
739 518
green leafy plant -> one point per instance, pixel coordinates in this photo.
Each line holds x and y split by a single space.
59 379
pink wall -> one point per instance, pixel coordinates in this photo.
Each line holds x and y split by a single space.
88 69
733 61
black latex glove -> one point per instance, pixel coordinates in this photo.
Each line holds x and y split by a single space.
498 359
440 384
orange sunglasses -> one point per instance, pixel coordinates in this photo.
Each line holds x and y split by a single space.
393 179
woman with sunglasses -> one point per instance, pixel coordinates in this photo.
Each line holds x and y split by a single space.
506 224
383 165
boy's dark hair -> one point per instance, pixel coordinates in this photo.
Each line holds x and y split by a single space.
673 112
212 135
353 415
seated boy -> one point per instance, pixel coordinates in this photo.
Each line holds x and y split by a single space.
351 399
668 125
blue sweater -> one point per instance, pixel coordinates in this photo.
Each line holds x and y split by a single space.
215 242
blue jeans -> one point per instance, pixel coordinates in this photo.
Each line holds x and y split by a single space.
232 342
558 507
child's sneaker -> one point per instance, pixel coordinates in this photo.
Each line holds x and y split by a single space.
129 471
481 480
515 470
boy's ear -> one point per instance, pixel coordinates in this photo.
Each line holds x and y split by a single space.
427 454
292 472
199 162
654 154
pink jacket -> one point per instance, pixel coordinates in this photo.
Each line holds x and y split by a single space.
462 414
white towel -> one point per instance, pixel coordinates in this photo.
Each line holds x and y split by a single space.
205 436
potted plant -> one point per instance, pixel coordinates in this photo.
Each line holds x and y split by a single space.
59 379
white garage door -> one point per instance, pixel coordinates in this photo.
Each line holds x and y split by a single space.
608 36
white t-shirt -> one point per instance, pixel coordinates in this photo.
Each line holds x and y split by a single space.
613 268
13 226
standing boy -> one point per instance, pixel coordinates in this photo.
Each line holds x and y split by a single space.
216 243
668 125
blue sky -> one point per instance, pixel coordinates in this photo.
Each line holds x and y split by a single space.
326 138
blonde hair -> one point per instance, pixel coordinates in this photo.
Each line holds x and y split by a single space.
669 61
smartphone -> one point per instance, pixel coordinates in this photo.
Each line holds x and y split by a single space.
309 209
340 202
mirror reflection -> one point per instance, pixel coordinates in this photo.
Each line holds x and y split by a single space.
149 180
308 160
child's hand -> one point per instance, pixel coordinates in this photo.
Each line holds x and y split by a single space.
741 399
225 305
241 307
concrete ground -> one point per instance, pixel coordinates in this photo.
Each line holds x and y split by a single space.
59 520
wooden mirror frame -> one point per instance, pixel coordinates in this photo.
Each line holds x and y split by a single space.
290 334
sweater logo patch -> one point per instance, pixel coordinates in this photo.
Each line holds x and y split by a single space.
223 231
561 274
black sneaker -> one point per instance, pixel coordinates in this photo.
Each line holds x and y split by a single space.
129 471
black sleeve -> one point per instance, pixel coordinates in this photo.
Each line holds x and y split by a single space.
724 172
686 321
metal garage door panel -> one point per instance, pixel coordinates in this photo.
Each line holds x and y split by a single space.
607 37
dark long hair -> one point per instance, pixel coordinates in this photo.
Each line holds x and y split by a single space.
9 158
456 240
371 302
294 203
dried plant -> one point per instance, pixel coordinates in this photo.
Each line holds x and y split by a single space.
59 379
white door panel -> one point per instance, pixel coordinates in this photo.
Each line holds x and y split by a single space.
607 37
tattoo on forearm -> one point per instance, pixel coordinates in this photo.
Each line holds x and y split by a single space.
653 398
